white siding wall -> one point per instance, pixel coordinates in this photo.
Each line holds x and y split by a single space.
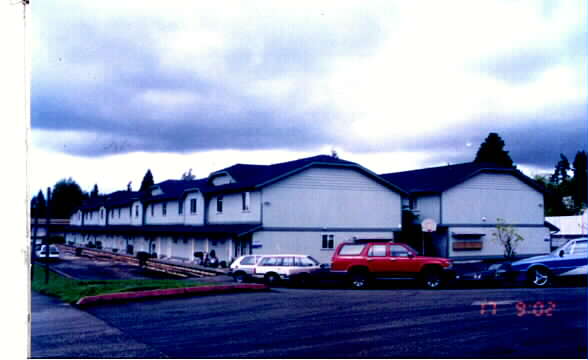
429 207
171 216
493 196
320 197
534 242
198 217
92 218
137 218
124 219
307 242
233 209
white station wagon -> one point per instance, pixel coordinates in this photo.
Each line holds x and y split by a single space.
297 268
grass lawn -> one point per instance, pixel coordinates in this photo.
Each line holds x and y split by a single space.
71 291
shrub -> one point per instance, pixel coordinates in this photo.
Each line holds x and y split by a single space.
143 257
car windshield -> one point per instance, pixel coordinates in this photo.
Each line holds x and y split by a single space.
411 249
569 246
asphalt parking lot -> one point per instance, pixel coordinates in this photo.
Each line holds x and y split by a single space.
322 323
84 268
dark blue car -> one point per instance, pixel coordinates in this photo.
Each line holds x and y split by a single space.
569 260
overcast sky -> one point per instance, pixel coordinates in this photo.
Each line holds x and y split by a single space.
122 86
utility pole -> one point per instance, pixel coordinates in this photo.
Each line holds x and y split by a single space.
47 237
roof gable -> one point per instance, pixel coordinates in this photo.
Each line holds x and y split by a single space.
439 179
250 177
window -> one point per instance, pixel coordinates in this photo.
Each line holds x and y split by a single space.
246 200
351 249
119 213
288 261
305 261
219 204
248 260
193 206
137 211
180 207
101 213
328 241
164 209
580 248
377 250
413 204
398 250
152 209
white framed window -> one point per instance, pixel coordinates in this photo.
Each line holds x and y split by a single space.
137 211
164 209
152 209
180 207
245 201
328 241
193 207
219 204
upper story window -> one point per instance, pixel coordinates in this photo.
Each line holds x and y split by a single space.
193 207
119 213
413 204
219 204
164 209
246 200
152 209
101 213
137 211
180 207
328 241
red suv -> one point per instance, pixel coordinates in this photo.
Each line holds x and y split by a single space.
362 262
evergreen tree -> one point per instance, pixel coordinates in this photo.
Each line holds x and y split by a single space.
579 182
562 168
94 194
492 151
38 205
66 197
147 181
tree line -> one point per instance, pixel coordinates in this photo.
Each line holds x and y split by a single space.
67 196
566 189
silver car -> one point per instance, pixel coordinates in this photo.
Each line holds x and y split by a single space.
242 268
296 268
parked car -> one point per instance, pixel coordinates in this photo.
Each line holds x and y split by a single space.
42 252
568 261
243 267
363 262
299 269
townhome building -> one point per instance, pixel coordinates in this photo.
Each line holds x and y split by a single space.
305 206
467 201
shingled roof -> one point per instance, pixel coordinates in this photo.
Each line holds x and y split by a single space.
249 177
438 179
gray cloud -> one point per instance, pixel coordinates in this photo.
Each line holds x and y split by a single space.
535 140
92 72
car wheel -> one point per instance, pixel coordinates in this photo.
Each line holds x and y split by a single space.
240 277
539 277
303 280
359 280
432 279
272 279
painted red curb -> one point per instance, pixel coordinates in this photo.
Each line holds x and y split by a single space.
168 292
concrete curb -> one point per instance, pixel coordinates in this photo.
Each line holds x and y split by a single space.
198 290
